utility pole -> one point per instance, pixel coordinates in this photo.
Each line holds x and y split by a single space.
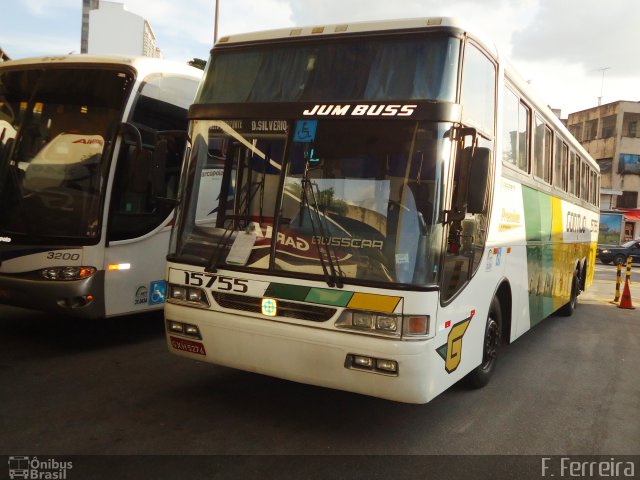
215 24
603 70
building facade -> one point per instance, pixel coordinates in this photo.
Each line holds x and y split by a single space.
611 134
87 6
115 30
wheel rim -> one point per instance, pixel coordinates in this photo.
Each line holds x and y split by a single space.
491 343
574 292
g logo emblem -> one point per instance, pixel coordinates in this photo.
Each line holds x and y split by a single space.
451 352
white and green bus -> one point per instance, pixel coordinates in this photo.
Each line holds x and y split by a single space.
373 207
89 148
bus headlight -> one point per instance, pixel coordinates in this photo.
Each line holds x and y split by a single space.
407 327
67 273
187 295
370 322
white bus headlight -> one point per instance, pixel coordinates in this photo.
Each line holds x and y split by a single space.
363 320
187 295
387 323
67 273
177 292
370 322
409 327
194 295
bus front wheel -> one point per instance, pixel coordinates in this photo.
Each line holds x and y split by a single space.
480 376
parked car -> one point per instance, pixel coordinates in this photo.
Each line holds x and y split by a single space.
619 254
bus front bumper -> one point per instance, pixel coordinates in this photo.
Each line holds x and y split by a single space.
72 298
305 354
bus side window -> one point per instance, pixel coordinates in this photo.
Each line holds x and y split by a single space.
463 259
478 90
161 105
478 99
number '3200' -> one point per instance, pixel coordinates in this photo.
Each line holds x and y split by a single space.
218 282
63 256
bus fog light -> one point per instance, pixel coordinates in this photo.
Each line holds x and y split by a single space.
192 331
390 366
362 362
176 327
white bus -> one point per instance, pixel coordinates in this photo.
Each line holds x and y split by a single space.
89 147
373 208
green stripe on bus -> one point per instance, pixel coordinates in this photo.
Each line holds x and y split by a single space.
324 296
287 292
547 256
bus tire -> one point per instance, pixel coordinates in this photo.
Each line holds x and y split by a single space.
568 308
480 375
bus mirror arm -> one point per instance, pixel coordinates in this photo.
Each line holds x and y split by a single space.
128 129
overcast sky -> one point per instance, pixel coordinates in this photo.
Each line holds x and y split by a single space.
559 46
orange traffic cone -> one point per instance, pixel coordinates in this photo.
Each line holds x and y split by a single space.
625 301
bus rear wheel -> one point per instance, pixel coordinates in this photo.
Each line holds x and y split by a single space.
480 376
567 309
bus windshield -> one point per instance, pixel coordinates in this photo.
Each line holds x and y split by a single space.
343 200
56 130
423 67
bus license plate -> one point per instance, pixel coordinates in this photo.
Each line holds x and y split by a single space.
187 345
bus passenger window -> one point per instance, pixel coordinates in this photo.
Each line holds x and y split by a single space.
524 121
542 147
510 130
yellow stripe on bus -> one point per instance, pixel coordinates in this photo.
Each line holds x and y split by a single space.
376 303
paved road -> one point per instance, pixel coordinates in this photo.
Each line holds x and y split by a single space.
569 386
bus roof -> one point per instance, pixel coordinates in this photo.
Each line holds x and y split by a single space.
143 65
358 27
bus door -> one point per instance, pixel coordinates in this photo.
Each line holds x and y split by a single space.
147 171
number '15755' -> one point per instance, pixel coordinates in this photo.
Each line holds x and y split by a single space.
217 282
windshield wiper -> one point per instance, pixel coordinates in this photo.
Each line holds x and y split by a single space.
332 277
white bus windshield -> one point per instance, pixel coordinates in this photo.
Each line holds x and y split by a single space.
351 200
56 129
335 70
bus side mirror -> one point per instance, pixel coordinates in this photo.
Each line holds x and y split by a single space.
165 170
477 188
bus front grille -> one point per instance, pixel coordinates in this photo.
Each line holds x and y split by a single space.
299 311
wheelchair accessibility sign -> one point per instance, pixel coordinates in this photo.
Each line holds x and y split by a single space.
157 292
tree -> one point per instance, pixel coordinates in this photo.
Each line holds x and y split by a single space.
198 63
